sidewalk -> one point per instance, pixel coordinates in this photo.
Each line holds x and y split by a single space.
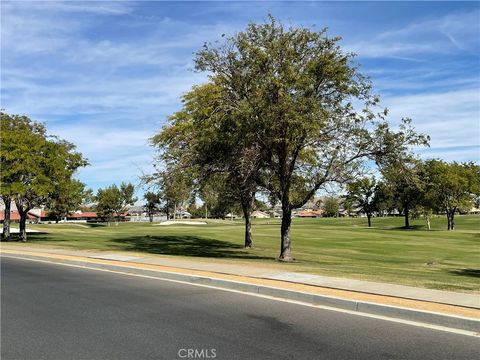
335 291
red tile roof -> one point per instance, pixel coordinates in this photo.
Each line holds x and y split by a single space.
15 216
89 214
310 213
82 215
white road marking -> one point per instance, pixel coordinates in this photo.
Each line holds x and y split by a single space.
380 317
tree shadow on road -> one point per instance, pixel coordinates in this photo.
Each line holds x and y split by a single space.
185 245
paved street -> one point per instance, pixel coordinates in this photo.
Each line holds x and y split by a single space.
58 312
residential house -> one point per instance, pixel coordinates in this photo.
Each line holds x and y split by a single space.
257 214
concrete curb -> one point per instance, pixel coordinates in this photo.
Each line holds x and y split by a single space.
421 316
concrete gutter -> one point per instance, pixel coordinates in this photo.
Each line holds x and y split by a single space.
446 316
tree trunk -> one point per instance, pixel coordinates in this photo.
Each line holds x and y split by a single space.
285 245
206 211
428 222
247 209
22 235
450 219
6 218
407 222
248 231
174 211
369 218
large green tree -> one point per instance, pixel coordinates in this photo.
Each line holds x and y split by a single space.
330 206
385 201
218 195
222 196
291 91
153 203
21 140
176 189
112 200
451 186
405 184
206 137
210 192
17 134
33 164
363 193
67 196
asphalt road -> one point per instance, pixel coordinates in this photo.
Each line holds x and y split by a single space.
53 311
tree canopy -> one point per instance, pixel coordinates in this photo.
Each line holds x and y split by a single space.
204 138
290 93
451 186
363 193
34 164
152 205
66 197
113 200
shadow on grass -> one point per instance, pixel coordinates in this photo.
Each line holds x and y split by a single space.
466 272
42 236
14 237
187 246
95 225
411 227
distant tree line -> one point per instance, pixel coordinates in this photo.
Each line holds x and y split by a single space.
421 188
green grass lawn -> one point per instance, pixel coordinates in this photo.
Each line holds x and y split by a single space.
341 247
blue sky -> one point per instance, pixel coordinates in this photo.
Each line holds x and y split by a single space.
105 75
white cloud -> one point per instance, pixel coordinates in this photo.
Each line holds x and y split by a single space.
450 118
447 34
109 94
453 153
115 153
117 92
424 81
118 7
100 7
33 27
